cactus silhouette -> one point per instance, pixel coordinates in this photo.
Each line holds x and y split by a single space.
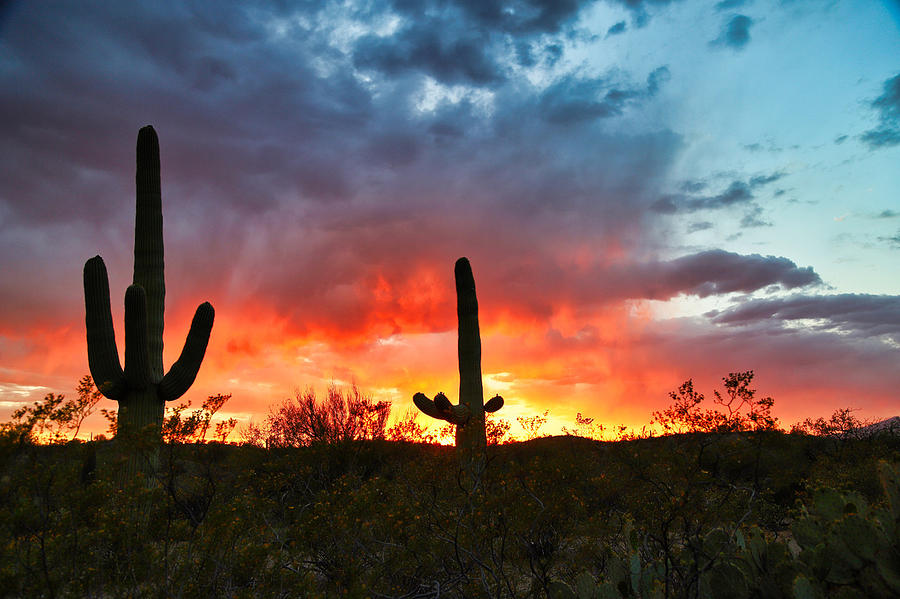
141 388
468 415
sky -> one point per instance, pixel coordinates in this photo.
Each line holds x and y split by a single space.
649 191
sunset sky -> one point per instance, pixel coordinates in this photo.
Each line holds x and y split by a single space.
648 191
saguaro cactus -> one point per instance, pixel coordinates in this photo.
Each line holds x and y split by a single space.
142 388
468 415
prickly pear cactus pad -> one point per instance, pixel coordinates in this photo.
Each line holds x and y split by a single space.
142 387
468 414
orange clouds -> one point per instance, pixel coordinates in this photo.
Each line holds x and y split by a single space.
563 338
617 369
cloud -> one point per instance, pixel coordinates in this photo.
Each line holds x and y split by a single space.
856 314
887 105
639 9
656 79
699 226
753 218
464 42
621 372
884 137
459 59
737 194
573 99
730 4
893 241
889 102
616 29
760 180
808 370
769 147
715 272
584 290
736 33
605 286
518 16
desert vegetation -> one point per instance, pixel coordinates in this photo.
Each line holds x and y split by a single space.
329 497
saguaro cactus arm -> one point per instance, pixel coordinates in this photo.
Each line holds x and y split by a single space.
103 355
441 408
137 355
493 404
183 372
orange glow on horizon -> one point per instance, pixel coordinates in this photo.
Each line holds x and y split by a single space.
605 361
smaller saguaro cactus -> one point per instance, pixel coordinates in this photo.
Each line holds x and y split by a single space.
468 414
142 387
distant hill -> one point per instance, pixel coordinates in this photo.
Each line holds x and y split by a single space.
890 426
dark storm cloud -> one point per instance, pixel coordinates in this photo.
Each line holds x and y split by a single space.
461 59
887 105
736 33
702 274
716 272
463 41
227 103
856 314
286 174
515 16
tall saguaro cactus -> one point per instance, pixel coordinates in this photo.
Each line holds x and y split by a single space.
142 387
468 414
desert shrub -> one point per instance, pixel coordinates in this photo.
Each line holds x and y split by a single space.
841 423
344 415
496 429
738 409
585 427
53 419
531 425
408 429
838 546
193 428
